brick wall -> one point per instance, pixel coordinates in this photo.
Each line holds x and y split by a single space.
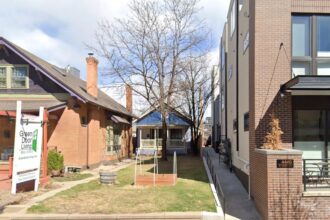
69 136
278 192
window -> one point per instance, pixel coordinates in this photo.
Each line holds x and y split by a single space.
14 77
246 121
83 121
230 72
310 55
19 77
246 42
113 138
233 19
222 55
222 98
301 36
176 134
3 77
241 2
235 125
323 36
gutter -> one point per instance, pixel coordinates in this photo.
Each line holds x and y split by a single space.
237 77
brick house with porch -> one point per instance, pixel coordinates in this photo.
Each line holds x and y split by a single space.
85 124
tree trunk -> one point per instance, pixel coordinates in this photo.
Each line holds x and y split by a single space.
164 141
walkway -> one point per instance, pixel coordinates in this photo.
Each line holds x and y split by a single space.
238 204
21 209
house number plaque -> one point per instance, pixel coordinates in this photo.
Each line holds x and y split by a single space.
286 163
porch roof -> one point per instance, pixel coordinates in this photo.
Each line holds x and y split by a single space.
30 105
307 83
154 119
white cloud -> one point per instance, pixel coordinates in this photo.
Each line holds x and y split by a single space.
56 30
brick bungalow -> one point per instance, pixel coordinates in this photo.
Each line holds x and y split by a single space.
85 124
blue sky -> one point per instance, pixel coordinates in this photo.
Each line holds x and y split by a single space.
57 30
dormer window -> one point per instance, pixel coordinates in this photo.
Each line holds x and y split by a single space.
14 77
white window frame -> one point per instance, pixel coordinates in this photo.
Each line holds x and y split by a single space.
9 74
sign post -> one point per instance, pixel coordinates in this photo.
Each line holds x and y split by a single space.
27 148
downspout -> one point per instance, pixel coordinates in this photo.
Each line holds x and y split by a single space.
237 84
226 108
87 150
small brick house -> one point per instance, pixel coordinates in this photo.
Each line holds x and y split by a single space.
87 126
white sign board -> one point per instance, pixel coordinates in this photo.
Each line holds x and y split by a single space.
27 148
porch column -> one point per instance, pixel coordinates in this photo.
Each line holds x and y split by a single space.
44 178
155 137
140 137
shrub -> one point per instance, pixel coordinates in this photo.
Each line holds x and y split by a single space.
55 160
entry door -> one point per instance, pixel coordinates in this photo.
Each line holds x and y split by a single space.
311 133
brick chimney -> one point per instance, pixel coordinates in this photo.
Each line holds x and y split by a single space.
92 63
129 98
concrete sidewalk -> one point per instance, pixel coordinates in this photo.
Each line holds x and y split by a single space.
13 210
238 204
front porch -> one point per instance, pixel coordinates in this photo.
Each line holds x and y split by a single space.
150 138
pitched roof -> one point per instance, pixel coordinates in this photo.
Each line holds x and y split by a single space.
153 118
73 84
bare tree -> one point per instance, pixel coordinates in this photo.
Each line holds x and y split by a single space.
197 92
146 49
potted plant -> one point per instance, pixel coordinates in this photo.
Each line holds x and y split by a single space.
273 139
55 163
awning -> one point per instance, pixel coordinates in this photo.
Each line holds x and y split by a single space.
117 119
307 85
30 105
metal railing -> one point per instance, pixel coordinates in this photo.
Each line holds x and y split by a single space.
215 178
316 174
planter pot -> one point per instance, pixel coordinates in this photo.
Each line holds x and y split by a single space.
55 172
107 177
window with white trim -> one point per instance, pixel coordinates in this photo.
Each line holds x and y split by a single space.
14 77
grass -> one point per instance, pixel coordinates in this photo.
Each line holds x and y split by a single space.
191 193
72 177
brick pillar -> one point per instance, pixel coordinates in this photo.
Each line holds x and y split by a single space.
277 191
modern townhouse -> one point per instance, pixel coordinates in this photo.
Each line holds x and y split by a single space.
275 61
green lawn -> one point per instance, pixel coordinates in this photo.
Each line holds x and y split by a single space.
191 193
72 177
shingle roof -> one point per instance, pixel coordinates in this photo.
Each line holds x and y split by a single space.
76 85
154 119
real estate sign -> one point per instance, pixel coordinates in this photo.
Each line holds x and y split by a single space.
27 148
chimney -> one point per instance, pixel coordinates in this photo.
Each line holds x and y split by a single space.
129 98
92 63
